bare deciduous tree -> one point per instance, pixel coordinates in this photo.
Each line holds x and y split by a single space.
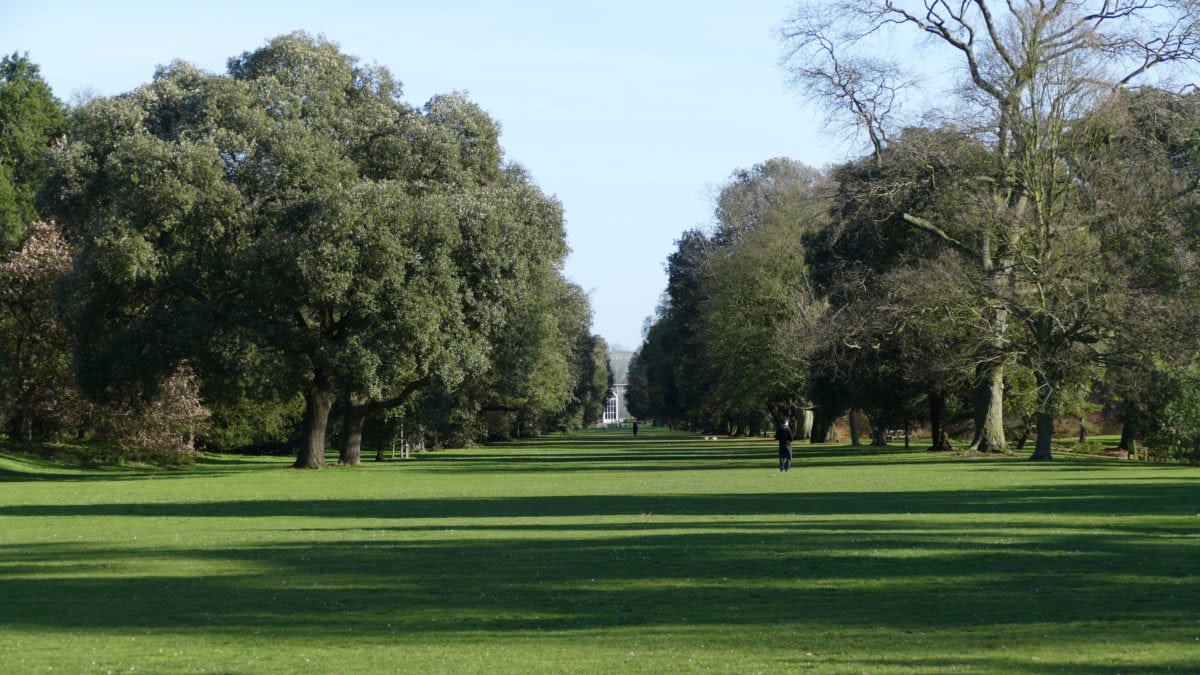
1027 72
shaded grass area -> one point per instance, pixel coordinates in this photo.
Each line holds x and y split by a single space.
595 552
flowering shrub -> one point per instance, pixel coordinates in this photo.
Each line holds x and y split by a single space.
163 428
38 396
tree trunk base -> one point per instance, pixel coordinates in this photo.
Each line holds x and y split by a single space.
318 402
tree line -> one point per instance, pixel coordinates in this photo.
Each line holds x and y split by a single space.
280 254
1025 250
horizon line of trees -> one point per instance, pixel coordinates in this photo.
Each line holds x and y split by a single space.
1027 250
248 258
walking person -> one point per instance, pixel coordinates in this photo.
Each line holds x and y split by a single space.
635 427
784 435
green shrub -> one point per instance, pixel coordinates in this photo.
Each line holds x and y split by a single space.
1088 447
255 426
1177 420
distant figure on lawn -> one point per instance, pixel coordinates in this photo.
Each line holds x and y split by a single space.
635 428
784 435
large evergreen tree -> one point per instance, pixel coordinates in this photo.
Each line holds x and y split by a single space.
31 119
295 215
761 306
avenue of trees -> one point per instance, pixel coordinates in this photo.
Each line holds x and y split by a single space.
280 254
1025 251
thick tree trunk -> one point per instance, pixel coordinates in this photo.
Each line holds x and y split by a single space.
1130 438
853 418
20 427
823 430
806 423
989 410
752 428
356 417
1024 435
1045 434
989 374
937 422
878 428
352 428
1045 419
318 401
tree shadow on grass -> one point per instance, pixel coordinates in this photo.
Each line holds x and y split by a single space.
959 565
1179 496
22 468
976 567
1080 586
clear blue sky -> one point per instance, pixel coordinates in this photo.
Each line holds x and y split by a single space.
631 113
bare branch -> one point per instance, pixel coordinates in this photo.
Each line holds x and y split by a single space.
938 232
820 62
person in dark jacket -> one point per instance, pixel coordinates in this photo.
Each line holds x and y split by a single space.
784 435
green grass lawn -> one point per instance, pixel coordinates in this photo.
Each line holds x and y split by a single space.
592 552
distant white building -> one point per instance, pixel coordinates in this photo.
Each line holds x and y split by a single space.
614 404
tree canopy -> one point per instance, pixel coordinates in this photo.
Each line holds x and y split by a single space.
31 120
1029 75
293 223
290 251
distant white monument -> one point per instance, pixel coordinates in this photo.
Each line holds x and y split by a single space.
614 404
